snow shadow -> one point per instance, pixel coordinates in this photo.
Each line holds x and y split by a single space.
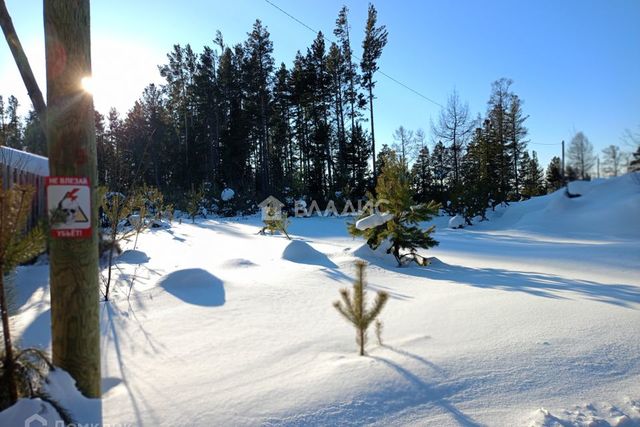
538 284
221 227
301 252
111 337
23 284
38 333
422 393
133 256
194 286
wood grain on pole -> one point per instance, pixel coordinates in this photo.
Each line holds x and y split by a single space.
72 152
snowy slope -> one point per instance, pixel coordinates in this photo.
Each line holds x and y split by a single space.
531 318
607 207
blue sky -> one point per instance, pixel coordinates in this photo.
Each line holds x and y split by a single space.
576 64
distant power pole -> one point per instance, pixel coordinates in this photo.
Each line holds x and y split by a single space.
598 166
72 153
563 161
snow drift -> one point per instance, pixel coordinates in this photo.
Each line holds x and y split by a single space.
302 253
609 207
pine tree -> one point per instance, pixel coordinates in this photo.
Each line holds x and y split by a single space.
10 126
16 246
479 176
352 100
402 230
258 69
554 175
498 136
516 133
34 140
375 39
353 307
532 176
281 156
441 170
421 176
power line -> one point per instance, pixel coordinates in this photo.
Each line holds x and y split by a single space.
545 143
359 59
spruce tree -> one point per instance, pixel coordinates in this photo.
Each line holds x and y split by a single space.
402 230
441 169
421 176
353 306
532 176
517 145
553 176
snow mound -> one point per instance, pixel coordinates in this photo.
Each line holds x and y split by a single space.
373 220
609 207
379 254
227 194
133 256
303 253
194 286
160 223
456 222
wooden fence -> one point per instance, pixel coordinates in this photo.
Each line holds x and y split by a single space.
20 167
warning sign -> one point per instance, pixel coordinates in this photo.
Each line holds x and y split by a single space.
69 205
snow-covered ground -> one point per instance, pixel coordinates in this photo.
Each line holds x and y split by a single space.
529 319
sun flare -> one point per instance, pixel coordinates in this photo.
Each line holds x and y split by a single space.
88 84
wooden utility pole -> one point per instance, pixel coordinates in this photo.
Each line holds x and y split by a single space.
74 282
22 62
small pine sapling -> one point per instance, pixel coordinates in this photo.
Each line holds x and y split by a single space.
353 306
17 245
275 223
116 207
147 202
400 226
28 372
194 203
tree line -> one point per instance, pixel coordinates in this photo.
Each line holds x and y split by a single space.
229 117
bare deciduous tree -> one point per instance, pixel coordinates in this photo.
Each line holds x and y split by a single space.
613 159
454 128
404 144
581 156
